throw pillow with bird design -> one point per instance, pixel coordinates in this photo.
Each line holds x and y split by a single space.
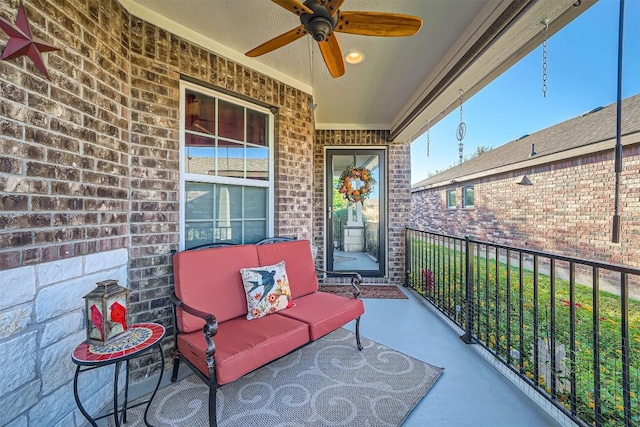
267 289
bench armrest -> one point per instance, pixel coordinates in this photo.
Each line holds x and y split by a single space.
207 317
209 330
356 278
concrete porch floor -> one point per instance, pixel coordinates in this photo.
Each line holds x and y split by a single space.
470 392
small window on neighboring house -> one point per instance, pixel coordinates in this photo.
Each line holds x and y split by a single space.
451 199
467 197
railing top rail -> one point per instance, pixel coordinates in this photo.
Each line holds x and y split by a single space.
437 234
566 258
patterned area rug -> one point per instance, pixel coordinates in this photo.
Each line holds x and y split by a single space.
326 383
366 291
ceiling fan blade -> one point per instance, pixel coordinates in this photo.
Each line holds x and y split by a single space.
277 42
378 24
332 55
333 5
293 6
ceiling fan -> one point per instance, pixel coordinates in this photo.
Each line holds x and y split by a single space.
322 19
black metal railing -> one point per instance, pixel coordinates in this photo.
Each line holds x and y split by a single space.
570 328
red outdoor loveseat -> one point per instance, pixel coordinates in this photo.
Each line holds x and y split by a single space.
213 334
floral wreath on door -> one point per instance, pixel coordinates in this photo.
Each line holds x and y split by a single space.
348 183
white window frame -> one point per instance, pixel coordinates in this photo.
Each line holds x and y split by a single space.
464 198
243 182
446 195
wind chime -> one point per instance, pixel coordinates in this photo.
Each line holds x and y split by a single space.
428 142
461 131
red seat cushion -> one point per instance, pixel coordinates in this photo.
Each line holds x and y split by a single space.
298 261
324 312
244 345
210 280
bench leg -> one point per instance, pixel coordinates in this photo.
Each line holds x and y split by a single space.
176 366
213 419
358 334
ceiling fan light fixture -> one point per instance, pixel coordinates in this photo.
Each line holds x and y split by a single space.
354 57
320 28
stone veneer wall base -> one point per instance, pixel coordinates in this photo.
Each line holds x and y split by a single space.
41 315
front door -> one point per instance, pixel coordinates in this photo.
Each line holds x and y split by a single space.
355 228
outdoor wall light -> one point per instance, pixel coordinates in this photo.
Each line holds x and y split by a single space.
523 180
354 57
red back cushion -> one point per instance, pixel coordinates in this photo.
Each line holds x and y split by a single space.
210 280
299 264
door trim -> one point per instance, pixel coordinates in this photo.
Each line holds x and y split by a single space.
382 152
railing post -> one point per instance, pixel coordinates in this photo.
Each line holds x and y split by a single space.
468 266
407 256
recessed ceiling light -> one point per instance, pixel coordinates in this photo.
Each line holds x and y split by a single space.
354 57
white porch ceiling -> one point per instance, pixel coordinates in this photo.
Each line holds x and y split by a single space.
403 82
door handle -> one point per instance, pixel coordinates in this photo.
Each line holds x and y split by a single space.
330 212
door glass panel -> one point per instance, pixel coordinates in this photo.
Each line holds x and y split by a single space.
355 243
371 208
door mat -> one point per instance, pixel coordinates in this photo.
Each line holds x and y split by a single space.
366 291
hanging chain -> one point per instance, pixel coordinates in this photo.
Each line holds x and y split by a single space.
428 141
312 105
461 131
544 58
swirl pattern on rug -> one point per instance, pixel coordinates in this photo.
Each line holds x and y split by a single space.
326 383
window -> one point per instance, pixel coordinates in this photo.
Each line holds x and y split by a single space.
226 169
467 197
451 199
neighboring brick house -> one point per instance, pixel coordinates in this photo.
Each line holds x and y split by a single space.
90 186
566 204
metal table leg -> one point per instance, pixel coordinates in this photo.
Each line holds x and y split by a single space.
146 411
115 395
75 395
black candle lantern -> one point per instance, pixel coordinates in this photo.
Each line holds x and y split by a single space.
106 312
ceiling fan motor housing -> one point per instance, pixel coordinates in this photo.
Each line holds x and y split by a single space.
320 24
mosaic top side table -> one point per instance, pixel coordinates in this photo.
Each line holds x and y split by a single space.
142 337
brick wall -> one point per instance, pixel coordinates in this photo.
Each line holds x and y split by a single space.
398 175
295 185
568 210
64 144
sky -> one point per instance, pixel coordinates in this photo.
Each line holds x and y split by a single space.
582 69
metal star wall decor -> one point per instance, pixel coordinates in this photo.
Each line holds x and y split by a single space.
23 42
